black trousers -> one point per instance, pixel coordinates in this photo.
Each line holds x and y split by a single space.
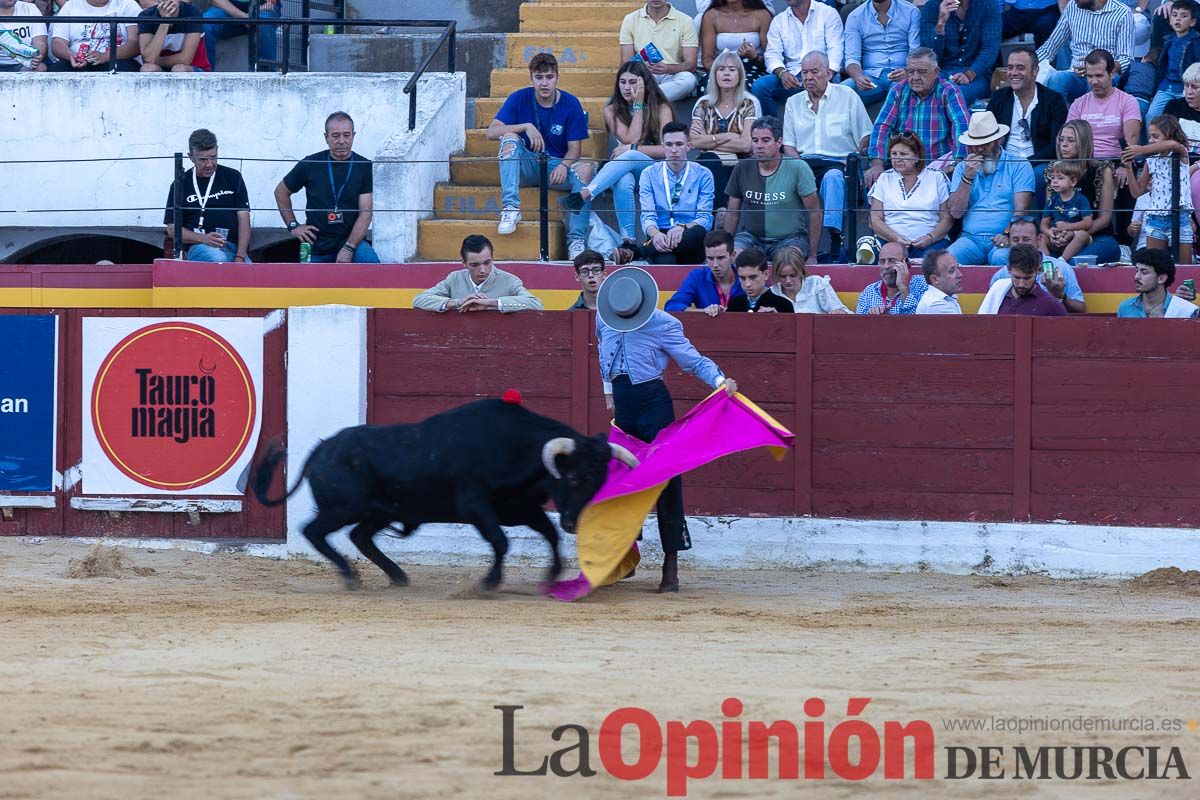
642 410
689 251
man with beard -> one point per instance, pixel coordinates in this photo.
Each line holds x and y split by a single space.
338 186
1062 284
989 190
1020 293
589 271
1153 274
1035 113
925 104
823 125
944 277
214 205
896 292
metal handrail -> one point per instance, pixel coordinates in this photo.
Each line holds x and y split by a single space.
448 35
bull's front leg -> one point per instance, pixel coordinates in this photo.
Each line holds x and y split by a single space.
542 524
476 509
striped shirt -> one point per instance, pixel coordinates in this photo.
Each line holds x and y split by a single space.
1108 28
938 118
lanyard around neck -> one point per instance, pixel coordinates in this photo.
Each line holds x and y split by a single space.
202 199
667 186
337 192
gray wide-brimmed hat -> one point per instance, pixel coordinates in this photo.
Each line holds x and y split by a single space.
627 298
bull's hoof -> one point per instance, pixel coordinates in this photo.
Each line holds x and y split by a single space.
489 584
352 582
666 587
399 581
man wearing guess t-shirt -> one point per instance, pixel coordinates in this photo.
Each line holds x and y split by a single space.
214 205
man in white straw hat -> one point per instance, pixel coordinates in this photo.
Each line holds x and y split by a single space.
636 342
989 190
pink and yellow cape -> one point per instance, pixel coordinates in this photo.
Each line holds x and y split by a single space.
608 526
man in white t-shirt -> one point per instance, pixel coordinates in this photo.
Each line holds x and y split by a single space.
944 277
83 46
22 41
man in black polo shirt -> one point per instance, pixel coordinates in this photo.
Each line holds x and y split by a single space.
214 205
337 185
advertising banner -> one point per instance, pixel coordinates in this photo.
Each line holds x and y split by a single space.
171 406
28 402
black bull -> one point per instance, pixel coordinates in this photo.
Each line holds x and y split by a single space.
487 464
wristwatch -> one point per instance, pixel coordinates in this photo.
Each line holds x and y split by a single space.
293 225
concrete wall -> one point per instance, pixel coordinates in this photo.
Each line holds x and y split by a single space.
255 116
411 164
471 15
476 54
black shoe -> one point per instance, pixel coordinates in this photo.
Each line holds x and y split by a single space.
572 201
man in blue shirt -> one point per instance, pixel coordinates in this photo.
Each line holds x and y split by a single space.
965 35
677 199
537 119
711 287
1153 274
897 292
636 341
988 191
879 36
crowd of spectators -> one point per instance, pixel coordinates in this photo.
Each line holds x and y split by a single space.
950 120
173 38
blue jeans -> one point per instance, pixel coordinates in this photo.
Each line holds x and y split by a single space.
266 33
621 174
771 94
919 252
882 84
217 255
519 167
363 254
1164 95
977 89
832 190
972 248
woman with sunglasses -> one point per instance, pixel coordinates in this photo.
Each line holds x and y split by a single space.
910 202
635 115
721 122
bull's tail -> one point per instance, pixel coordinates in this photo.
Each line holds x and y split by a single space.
264 473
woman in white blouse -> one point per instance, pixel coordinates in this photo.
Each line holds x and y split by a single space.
808 294
909 203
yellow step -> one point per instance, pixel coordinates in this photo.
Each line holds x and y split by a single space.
595 146
590 16
482 203
591 50
579 82
440 240
486 108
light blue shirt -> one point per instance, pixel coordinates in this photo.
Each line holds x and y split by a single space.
992 196
874 47
645 352
1071 283
695 197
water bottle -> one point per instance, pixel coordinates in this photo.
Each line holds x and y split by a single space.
330 29
305 252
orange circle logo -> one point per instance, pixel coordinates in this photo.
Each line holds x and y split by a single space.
173 406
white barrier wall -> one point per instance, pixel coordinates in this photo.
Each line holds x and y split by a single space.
48 117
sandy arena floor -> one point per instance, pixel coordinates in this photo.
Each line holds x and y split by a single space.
190 676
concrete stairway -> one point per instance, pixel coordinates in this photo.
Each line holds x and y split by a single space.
583 37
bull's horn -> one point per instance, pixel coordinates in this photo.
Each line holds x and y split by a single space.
624 456
562 446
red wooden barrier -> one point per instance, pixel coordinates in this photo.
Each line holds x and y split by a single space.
999 418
